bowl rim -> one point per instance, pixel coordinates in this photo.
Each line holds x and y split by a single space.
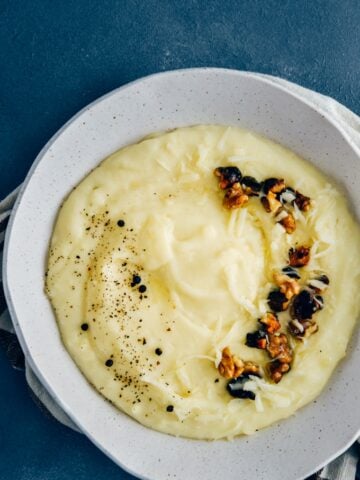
262 78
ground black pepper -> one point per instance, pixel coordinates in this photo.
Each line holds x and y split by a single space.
109 362
136 279
142 288
84 327
170 408
158 351
121 223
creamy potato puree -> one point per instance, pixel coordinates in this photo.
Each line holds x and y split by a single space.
154 210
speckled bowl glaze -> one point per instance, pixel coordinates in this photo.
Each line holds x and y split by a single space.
291 449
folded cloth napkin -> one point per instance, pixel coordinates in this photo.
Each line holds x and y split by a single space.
344 467
8 339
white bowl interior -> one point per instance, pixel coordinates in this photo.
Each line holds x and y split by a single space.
308 439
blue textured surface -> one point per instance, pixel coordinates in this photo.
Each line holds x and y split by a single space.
57 56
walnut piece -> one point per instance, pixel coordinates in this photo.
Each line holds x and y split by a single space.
276 344
302 202
275 194
251 186
319 283
288 223
228 176
235 197
278 348
302 329
256 339
299 257
270 322
277 301
270 202
310 328
288 286
231 366
277 369
282 355
259 339
272 187
251 368
304 305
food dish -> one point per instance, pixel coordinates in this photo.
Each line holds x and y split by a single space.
153 104
155 281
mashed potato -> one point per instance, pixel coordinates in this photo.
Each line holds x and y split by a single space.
151 277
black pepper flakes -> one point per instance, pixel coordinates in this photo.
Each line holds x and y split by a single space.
142 288
121 223
109 362
84 327
158 351
170 408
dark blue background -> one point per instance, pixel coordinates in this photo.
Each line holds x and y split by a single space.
57 56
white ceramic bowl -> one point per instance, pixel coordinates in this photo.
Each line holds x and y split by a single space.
291 449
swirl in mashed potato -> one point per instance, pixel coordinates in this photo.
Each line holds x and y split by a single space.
150 278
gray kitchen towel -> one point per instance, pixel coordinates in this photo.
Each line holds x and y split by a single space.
9 341
344 467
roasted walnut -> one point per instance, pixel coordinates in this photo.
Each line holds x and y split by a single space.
276 344
274 185
289 195
251 368
288 222
230 366
302 329
271 189
302 202
277 370
277 301
305 304
319 283
228 176
270 322
270 202
299 256
235 197
250 186
288 285
278 348
296 328
280 351
310 328
256 339
291 272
